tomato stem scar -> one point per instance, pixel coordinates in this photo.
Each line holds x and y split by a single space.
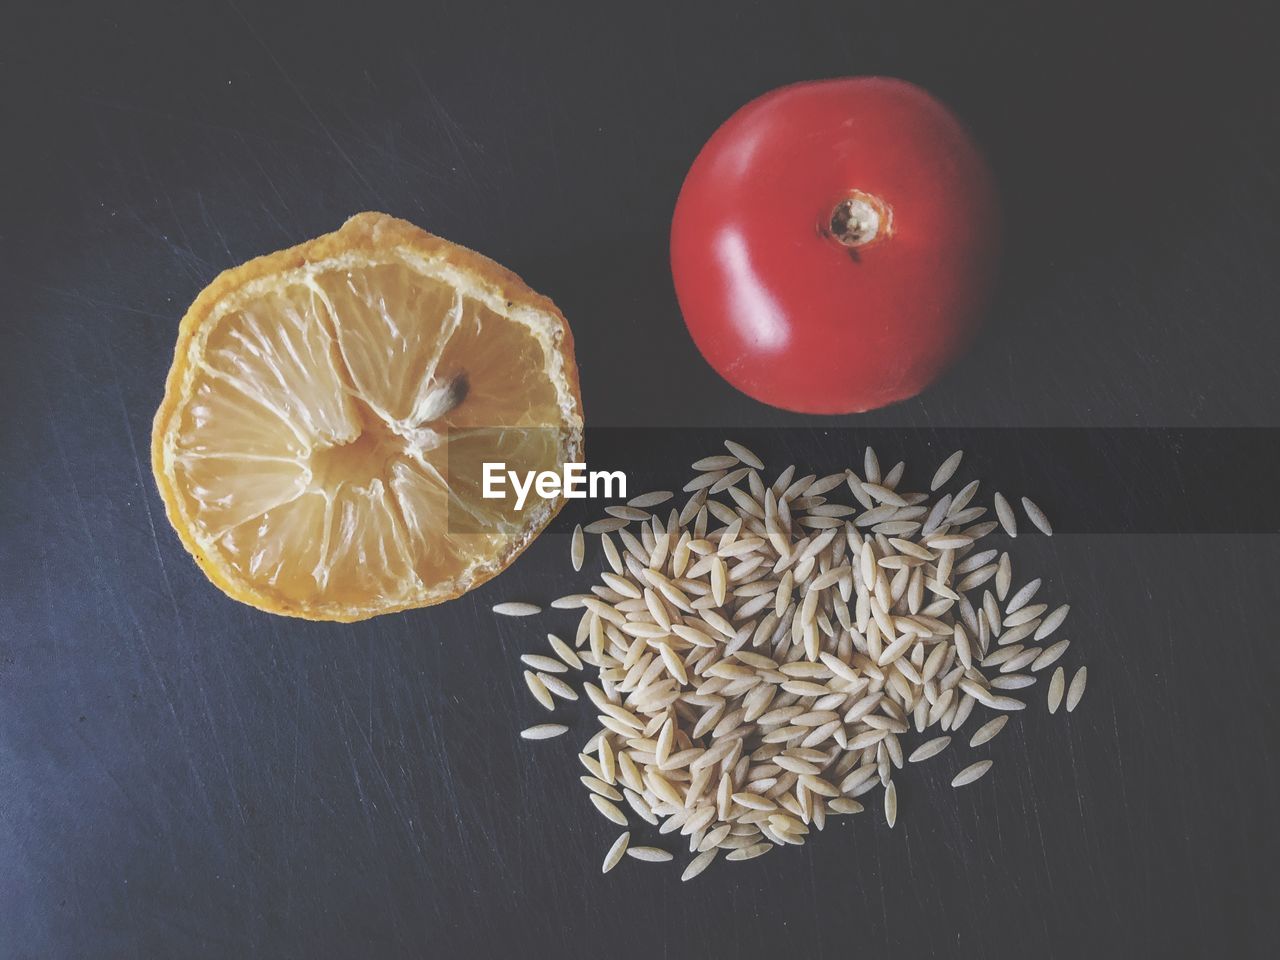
858 220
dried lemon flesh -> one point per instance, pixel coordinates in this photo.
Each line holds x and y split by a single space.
329 407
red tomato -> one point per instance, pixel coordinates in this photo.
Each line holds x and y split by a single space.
834 244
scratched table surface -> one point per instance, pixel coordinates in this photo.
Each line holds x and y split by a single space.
182 776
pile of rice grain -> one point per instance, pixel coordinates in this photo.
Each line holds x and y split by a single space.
762 653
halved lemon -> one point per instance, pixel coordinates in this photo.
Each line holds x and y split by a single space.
320 444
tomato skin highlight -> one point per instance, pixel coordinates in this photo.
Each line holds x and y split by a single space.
776 304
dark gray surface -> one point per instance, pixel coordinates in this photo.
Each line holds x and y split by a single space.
181 776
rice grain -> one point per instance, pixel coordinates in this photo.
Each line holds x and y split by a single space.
930 748
1050 655
564 651
539 690
971 773
988 731
703 480
543 731
749 853
1023 596
650 854
1004 513
516 609
1056 685
546 664
947 470
871 466
647 500
626 512
557 686
608 809
714 462
1076 690
605 525
1053 621
891 804
1036 516
598 786
1004 576
698 864
616 851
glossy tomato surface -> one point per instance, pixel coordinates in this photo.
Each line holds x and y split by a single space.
783 309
